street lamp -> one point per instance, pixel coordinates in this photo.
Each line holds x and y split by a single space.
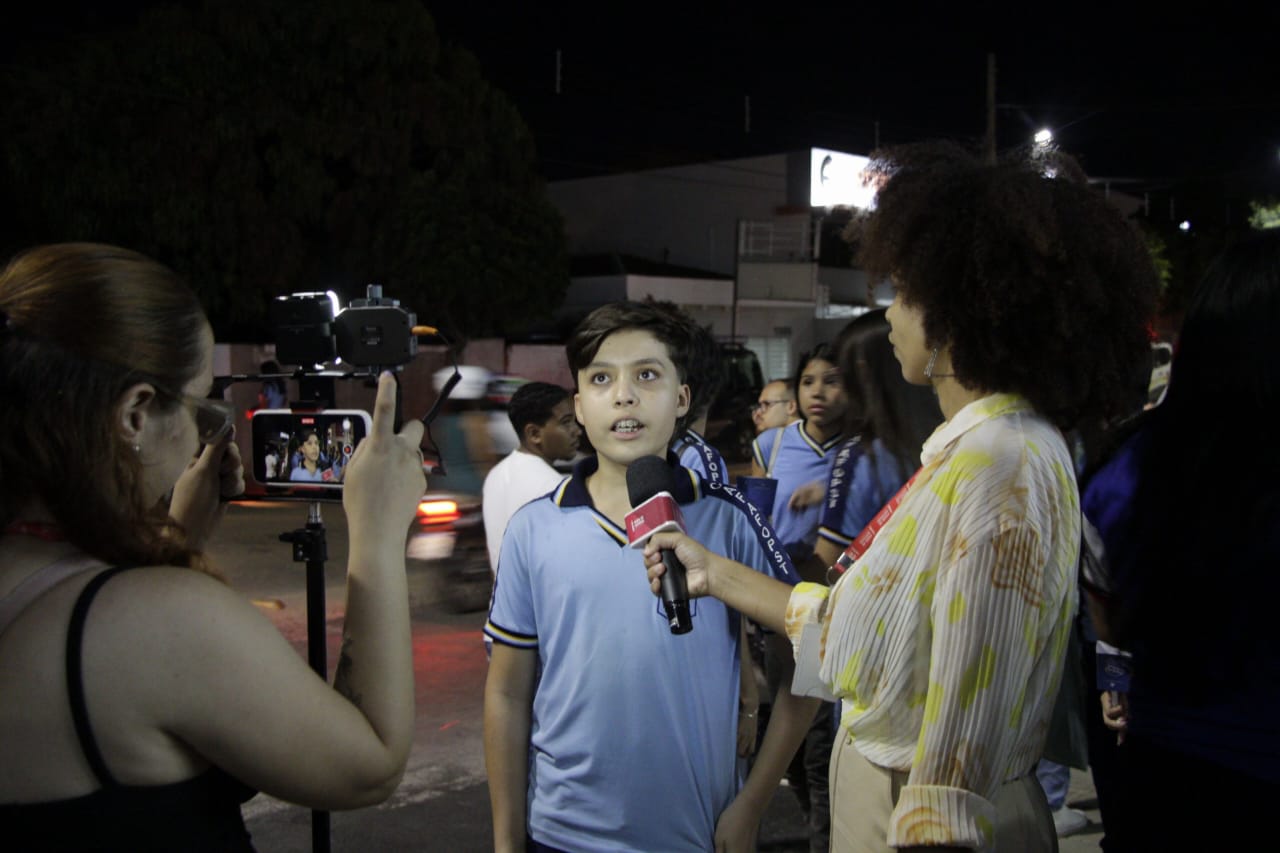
1043 137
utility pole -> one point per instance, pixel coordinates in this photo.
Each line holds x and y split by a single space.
991 109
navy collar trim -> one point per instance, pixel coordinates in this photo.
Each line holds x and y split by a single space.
819 448
573 491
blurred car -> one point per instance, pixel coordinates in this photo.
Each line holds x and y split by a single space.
447 535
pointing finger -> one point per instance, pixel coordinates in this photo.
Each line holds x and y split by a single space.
384 408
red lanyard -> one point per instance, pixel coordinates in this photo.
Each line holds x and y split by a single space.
39 529
863 540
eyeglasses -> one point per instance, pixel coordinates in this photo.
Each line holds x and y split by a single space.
763 405
214 418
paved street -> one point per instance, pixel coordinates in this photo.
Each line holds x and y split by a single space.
449 665
442 805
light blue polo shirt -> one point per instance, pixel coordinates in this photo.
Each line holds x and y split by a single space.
799 460
633 738
862 481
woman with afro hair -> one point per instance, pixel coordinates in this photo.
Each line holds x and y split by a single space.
1022 298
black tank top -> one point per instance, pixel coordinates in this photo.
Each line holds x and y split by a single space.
197 814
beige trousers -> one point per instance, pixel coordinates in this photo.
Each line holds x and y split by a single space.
863 796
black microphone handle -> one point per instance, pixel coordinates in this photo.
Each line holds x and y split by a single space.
675 593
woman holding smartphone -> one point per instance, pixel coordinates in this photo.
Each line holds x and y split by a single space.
142 699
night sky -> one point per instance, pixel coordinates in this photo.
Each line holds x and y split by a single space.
1144 105
1158 108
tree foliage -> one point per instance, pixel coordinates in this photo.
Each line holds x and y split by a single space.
1264 214
1158 249
268 146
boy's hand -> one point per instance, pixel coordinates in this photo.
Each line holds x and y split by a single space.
737 827
697 562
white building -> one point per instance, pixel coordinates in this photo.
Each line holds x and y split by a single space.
736 243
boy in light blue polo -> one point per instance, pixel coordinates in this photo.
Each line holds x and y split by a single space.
604 731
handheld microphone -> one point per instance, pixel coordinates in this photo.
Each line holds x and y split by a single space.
649 488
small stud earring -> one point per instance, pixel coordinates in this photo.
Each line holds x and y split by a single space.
137 448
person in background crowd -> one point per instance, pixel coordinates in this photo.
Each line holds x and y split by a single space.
542 416
887 423
799 456
462 432
776 406
1188 511
706 375
274 393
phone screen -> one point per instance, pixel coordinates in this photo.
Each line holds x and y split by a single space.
305 451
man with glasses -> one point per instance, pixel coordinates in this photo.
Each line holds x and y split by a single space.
776 405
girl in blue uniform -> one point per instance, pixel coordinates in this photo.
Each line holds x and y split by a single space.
887 421
799 455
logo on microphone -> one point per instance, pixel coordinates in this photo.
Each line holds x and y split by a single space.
658 514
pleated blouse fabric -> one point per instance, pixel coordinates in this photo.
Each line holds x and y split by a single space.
945 641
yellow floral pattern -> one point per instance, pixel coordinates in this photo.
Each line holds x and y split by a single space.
945 640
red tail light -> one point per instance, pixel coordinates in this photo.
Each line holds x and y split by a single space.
439 511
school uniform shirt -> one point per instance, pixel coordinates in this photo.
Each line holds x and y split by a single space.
862 481
699 456
945 640
798 460
300 474
633 735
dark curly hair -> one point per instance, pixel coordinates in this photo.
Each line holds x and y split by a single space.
1035 282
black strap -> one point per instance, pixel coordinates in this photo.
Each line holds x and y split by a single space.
75 676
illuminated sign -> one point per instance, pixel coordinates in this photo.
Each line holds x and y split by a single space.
837 179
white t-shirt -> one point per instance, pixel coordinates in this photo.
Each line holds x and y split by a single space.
511 484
